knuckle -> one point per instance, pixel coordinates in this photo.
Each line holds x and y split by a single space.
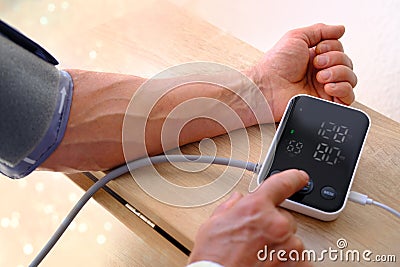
347 60
319 25
355 80
335 45
340 46
294 33
252 206
281 227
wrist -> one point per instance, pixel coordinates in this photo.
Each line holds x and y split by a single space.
262 80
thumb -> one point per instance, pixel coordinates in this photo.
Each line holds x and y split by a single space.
316 33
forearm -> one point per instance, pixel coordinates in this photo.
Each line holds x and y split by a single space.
93 140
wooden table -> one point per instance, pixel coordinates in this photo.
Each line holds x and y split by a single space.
154 35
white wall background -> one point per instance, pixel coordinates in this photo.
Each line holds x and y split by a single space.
372 37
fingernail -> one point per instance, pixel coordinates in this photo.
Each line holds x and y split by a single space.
325 74
322 48
322 60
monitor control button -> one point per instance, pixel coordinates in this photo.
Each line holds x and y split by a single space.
308 188
328 192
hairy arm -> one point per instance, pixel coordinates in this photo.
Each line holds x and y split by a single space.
93 140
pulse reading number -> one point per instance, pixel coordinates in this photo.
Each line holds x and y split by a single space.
294 147
331 132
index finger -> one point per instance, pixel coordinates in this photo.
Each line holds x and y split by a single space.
280 186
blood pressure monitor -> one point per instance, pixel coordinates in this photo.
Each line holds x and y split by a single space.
324 139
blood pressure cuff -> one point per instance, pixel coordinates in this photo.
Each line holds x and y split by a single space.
35 101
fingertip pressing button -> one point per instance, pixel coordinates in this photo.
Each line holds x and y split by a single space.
308 188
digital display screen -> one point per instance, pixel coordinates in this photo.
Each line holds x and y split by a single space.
325 140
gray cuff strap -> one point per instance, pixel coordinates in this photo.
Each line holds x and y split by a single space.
53 136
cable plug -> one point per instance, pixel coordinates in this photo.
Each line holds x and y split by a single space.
360 198
365 200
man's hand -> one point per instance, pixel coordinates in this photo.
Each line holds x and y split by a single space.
243 225
309 61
